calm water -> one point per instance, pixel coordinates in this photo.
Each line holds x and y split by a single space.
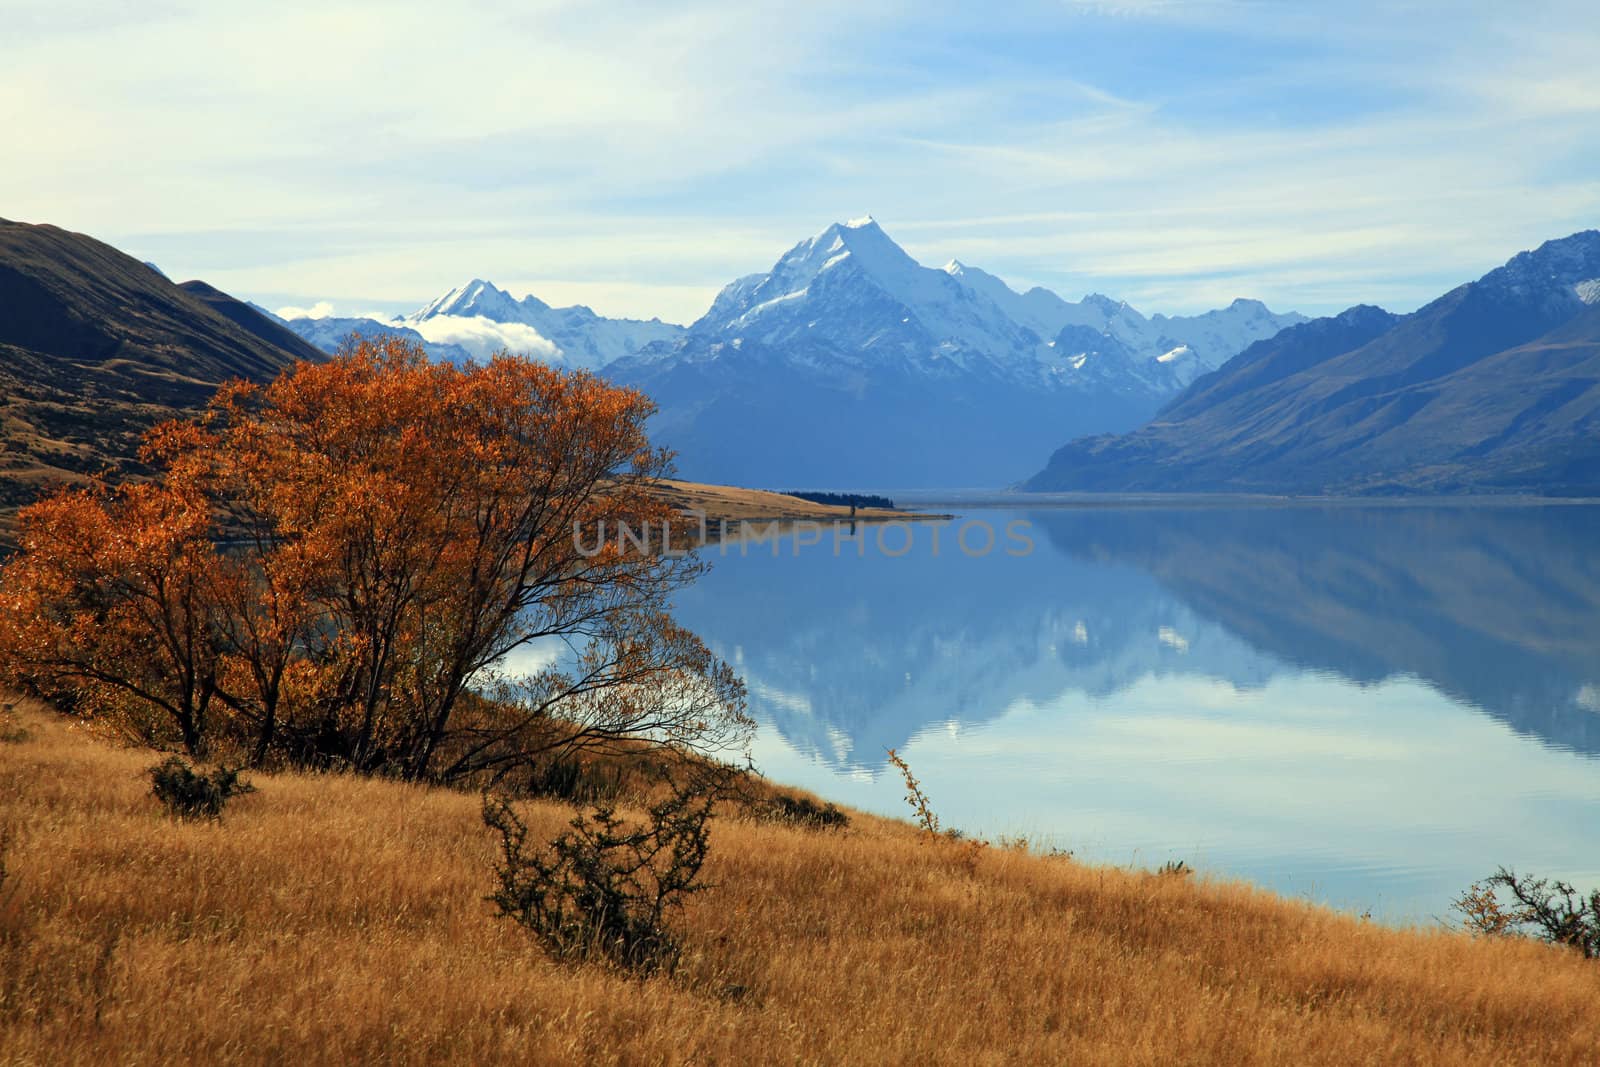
1368 707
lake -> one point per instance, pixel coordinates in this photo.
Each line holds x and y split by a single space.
1365 706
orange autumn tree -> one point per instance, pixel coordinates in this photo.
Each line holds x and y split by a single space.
109 611
339 568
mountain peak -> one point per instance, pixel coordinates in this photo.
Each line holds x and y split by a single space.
859 233
478 297
1566 263
1107 304
477 287
1359 313
858 241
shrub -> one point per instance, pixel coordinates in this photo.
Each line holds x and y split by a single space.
803 811
1551 911
603 888
187 793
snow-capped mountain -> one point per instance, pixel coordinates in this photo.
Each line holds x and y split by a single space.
1214 337
1192 344
478 319
476 298
851 364
482 318
330 332
854 290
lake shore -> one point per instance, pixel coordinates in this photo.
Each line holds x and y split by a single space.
1002 498
735 504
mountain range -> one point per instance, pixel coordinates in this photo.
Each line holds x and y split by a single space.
574 335
1493 387
327 333
97 347
475 320
849 364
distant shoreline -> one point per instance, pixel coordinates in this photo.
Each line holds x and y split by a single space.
1000 498
736 504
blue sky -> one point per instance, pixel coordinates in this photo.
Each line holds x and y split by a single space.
638 157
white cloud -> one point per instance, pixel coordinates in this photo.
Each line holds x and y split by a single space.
322 309
482 338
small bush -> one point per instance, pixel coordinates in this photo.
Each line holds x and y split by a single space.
1549 910
604 888
187 793
803 811
1175 869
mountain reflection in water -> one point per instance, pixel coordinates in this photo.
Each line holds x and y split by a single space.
1344 648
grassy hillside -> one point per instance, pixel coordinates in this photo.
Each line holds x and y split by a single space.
332 919
734 504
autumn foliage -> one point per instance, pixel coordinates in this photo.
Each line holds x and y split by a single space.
336 569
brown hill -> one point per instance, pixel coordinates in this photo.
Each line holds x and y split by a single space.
1492 388
96 347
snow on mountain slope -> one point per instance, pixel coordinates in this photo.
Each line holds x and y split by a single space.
1217 336
850 364
1039 309
854 292
479 319
476 298
1211 338
482 318
851 298
330 332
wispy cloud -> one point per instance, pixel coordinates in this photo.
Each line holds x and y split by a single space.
636 157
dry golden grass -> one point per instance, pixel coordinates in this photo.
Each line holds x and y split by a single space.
733 503
343 920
